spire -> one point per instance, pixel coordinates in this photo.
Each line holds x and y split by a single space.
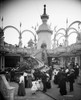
44 9
2 21
44 17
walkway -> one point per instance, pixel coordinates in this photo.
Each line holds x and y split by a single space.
51 94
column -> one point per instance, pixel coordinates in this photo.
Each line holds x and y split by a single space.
2 63
21 58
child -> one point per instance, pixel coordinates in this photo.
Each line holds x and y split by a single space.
34 87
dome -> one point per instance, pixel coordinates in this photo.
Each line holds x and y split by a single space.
44 27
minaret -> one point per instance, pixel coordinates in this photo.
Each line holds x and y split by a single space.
44 17
44 32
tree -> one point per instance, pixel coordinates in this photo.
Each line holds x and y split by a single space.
27 64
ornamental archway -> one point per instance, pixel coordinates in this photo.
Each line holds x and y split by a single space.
31 33
11 27
20 33
67 32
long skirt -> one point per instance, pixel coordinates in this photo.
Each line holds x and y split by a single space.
34 87
29 83
48 85
21 90
26 81
62 87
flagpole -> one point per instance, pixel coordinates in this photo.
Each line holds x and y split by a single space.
2 21
66 23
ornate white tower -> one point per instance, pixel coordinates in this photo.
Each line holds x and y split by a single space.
44 32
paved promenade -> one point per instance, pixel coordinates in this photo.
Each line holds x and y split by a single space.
51 94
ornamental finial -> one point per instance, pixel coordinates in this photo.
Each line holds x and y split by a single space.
44 9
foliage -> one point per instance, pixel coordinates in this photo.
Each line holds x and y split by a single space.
26 64
43 56
22 65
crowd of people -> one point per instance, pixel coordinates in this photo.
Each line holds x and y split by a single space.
38 79
41 80
65 75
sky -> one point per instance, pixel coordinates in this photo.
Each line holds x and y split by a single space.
28 12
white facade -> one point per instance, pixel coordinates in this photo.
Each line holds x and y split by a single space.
44 32
44 37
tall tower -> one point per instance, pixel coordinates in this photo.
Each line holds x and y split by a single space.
44 32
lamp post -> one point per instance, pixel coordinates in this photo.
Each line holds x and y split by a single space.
66 31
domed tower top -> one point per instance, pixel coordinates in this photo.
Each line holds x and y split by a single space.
44 17
44 27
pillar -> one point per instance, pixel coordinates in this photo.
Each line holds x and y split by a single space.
2 63
21 58
77 60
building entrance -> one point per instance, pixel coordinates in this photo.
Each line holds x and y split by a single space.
11 61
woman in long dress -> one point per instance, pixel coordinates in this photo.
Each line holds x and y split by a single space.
40 85
34 87
62 84
21 88
25 79
29 81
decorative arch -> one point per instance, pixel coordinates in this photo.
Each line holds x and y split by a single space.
30 32
74 23
73 33
61 34
11 27
58 32
67 30
75 30
60 37
70 27
61 30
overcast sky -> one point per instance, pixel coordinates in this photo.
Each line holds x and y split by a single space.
28 13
